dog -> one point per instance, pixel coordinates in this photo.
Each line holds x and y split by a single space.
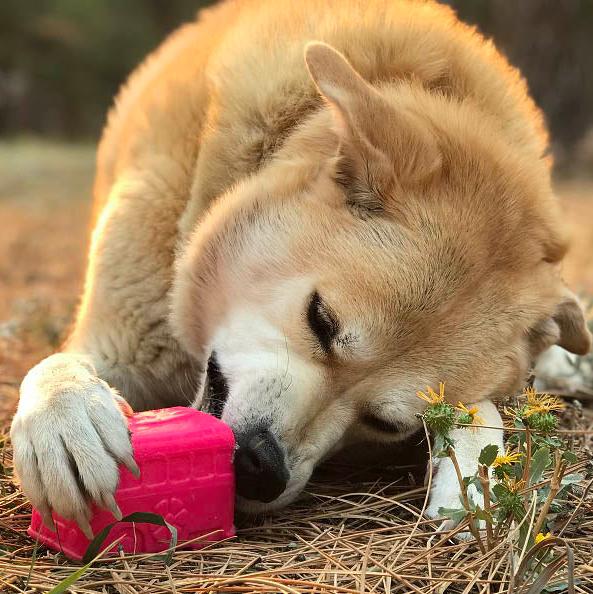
306 212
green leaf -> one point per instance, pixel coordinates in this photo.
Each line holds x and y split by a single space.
75 576
561 586
567 482
141 517
71 579
482 514
542 494
501 515
539 462
488 455
570 457
499 490
499 473
449 443
439 443
33 560
471 480
571 479
453 514
525 529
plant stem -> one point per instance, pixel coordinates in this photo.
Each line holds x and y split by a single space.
485 482
471 520
527 466
555 482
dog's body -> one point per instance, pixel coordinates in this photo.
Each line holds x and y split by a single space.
329 243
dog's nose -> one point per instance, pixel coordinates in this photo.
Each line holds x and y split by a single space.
260 469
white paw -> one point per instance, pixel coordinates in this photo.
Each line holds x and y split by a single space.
445 489
446 493
69 434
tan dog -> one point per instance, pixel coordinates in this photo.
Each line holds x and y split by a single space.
300 247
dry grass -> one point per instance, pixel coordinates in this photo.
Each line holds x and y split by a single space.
358 528
353 531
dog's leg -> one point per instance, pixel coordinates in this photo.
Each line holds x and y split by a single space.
469 442
69 432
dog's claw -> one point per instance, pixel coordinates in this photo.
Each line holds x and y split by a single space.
110 504
85 527
131 465
47 517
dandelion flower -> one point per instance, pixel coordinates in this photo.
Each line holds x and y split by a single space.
432 397
439 415
540 536
506 458
469 416
540 403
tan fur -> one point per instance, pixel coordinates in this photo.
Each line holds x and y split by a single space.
401 172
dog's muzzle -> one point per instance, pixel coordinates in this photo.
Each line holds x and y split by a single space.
260 467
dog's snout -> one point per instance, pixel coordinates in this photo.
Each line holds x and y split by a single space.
260 467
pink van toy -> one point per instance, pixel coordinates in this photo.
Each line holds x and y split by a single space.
186 476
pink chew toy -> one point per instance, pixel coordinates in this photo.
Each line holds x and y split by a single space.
186 476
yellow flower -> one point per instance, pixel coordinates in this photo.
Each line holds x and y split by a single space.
472 412
432 397
506 458
539 537
540 403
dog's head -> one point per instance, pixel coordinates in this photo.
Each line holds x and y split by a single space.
395 241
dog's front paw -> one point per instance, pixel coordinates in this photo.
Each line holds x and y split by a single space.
445 494
69 435
445 490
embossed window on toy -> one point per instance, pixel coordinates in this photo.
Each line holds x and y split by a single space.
203 464
155 471
180 468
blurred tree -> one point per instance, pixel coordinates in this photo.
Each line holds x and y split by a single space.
61 61
551 41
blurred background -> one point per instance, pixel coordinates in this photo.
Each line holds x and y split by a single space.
62 61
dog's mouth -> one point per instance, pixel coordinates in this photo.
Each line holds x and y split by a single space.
216 389
261 470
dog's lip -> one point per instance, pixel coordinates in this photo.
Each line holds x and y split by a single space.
296 485
254 506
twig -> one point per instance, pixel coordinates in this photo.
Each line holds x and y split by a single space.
527 466
471 520
521 430
485 482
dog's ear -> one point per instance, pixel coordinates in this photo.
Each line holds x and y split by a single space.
566 328
380 145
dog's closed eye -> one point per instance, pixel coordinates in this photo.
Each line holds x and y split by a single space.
322 321
379 424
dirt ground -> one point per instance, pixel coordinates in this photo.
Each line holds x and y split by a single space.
45 202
